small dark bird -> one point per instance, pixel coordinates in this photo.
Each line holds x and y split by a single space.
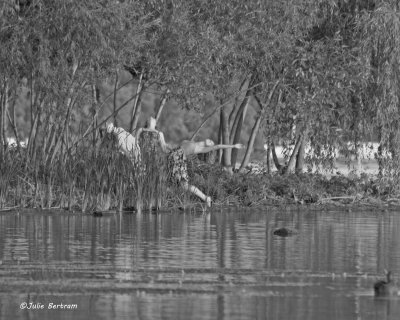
97 213
386 287
283 232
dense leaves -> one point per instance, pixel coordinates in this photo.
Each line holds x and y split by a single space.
313 72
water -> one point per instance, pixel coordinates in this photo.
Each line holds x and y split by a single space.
227 265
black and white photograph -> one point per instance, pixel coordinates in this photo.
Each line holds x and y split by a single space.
200 159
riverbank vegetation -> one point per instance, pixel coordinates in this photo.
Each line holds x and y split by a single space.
311 76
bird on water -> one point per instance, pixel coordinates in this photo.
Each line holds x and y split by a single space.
386 287
284 232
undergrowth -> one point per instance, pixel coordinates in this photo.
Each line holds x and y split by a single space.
246 189
100 178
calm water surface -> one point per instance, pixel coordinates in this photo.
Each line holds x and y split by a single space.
224 265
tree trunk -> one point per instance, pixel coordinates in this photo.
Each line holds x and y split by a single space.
3 109
115 112
256 126
4 116
278 166
239 117
236 105
250 145
33 134
49 131
238 129
61 131
13 123
36 112
292 161
95 103
135 119
239 113
162 104
226 154
300 156
219 155
358 156
268 159
136 105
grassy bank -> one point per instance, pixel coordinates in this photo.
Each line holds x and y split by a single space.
100 178
252 190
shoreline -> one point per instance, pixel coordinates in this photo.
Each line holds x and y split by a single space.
365 204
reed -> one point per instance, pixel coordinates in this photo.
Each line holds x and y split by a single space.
97 176
9 166
151 172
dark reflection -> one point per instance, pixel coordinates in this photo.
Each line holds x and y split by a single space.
227 265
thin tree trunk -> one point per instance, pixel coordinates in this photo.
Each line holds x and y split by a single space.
219 156
162 104
35 126
13 124
250 144
292 161
59 137
114 100
31 100
275 158
268 159
236 105
95 103
138 112
32 134
48 127
300 156
226 154
4 116
238 129
256 126
236 139
51 141
136 105
239 118
3 108
239 114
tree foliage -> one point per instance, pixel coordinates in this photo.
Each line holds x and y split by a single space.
316 72
381 57
58 49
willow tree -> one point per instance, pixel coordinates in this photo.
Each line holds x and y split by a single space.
381 52
321 101
58 50
293 61
228 51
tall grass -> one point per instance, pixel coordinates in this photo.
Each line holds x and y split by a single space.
92 177
9 168
97 176
151 172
